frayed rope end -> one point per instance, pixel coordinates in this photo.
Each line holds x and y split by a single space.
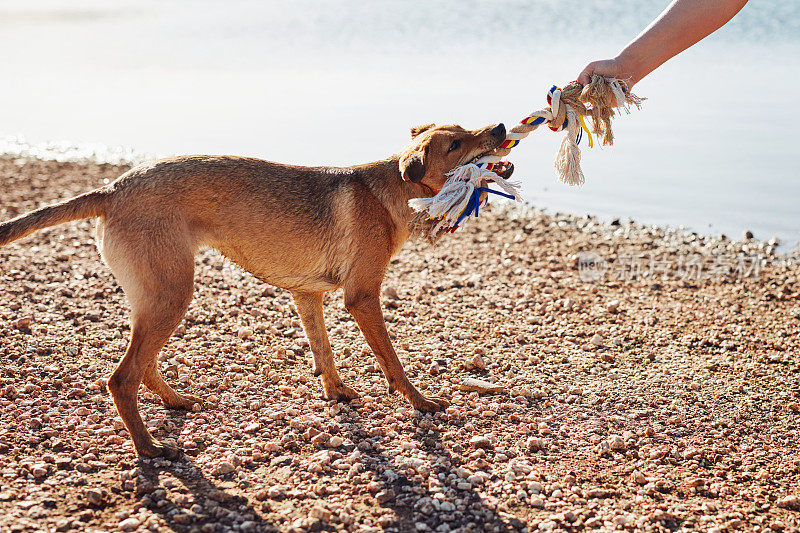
459 197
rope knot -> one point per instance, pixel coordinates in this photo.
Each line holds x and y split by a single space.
461 195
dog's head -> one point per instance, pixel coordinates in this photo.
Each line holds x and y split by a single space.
436 150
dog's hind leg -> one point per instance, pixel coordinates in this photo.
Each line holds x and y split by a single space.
309 305
154 381
157 274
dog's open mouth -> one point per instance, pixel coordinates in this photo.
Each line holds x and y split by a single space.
504 169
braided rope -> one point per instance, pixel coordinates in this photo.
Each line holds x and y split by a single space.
566 109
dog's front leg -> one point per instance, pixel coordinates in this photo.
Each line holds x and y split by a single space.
365 306
309 306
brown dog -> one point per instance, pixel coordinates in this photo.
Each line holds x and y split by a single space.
308 230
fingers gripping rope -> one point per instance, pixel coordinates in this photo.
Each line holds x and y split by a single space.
566 109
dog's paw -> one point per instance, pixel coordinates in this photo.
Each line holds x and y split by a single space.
430 405
156 449
184 401
340 393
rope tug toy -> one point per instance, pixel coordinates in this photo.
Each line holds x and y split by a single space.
466 188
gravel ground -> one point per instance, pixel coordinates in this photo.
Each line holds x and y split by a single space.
646 403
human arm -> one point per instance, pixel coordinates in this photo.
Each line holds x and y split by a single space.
681 25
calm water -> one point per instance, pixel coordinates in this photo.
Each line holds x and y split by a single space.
715 148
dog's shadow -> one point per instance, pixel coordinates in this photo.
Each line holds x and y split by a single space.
442 506
217 508
461 509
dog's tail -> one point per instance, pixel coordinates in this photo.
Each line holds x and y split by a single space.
89 205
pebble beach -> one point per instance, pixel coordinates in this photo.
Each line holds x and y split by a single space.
603 376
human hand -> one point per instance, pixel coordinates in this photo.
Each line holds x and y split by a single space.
612 68
680 26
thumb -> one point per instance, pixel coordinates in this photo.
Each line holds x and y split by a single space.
585 76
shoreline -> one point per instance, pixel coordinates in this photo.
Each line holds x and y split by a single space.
16 147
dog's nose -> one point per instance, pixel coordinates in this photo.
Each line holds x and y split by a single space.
499 131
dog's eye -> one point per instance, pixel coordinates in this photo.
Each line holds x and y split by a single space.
454 146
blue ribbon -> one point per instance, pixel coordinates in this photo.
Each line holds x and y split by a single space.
475 202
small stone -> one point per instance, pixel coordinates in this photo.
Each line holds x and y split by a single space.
478 362
320 513
638 478
321 439
789 502
612 306
480 385
23 323
695 482
597 340
391 292
597 493
660 515
480 441
129 524
616 443
385 496
602 447
225 467
534 487
94 497
183 518
244 333
534 444
523 392
335 441
793 407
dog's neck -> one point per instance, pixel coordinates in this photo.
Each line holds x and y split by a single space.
385 181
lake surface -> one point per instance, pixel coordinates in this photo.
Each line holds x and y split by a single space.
716 147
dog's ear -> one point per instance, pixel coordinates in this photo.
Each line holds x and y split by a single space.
412 166
416 130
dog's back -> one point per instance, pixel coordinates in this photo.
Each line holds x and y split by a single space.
291 226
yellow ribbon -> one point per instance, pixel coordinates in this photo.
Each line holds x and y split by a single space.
588 133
